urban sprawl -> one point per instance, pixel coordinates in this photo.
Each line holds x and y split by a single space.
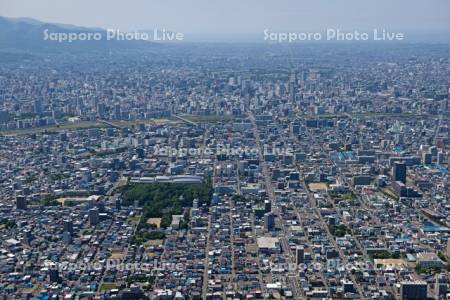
227 172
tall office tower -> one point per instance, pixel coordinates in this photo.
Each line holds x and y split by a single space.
215 199
292 90
413 290
245 87
93 216
399 172
63 137
21 202
348 286
118 203
94 103
299 255
80 103
101 110
38 106
267 206
117 112
441 286
296 128
68 226
67 238
441 158
269 221
28 236
243 165
434 151
54 274
427 158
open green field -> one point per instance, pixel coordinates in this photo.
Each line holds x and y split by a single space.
106 286
389 192
374 115
80 125
55 128
209 118
122 123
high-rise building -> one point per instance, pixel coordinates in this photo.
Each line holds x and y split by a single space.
348 286
441 286
21 202
53 274
434 151
68 226
441 158
299 255
292 90
118 203
427 158
269 221
117 111
399 172
28 235
38 106
413 290
267 206
215 199
93 216
101 110
63 137
67 238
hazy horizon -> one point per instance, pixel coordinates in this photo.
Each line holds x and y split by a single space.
209 18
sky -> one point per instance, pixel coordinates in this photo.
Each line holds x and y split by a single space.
238 16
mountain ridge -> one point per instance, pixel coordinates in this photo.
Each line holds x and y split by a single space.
27 35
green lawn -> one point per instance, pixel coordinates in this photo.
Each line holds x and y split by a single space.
106 286
209 118
55 128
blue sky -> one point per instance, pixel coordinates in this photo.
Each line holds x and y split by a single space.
238 16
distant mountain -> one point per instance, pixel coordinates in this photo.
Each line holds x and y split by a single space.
28 35
25 20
